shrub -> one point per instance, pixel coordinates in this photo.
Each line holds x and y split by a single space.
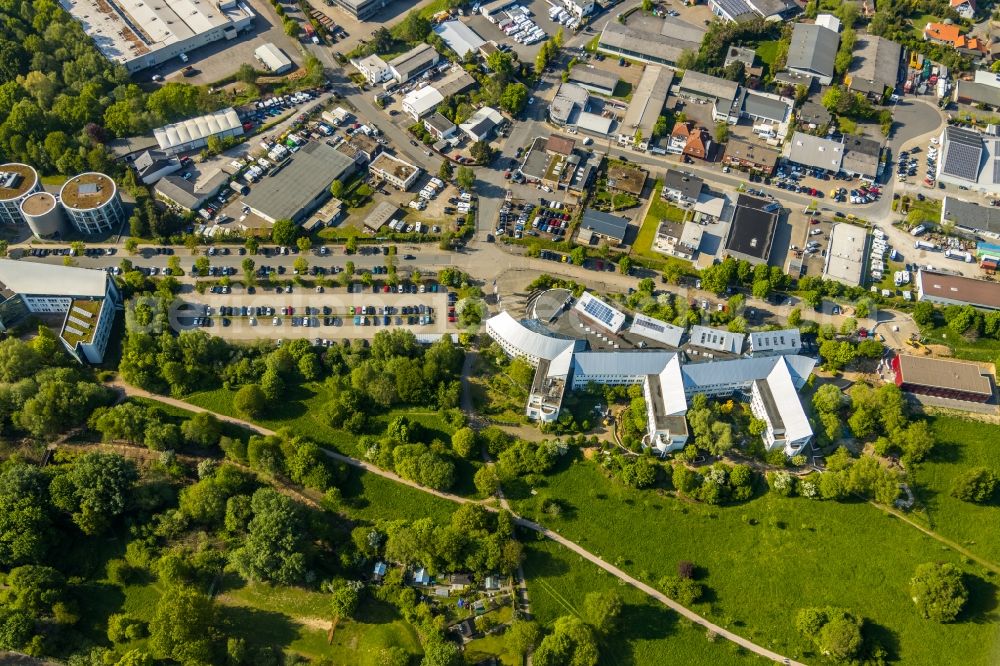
975 485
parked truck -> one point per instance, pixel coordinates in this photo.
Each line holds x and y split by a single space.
959 255
924 245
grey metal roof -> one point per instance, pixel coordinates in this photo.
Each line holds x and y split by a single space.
285 192
814 113
188 194
743 54
28 277
745 370
605 224
813 49
760 106
818 152
703 85
717 339
527 341
963 153
439 122
752 230
768 8
876 62
152 161
971 91
648 98
650 46
591 76
634 363
783 340
654 329
971 216
454 82
415 60
459 37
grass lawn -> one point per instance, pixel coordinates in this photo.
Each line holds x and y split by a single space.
768 51
928 210
369 497
299 619
767 558
918 21
490 646
961 444
650 634
302 412
658 210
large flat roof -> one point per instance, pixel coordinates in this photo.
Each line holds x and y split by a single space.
459 37
815 151
813 49
285 191
657 330
418 58
38 203
125 30
16 179
30 277
752 230
717 339
525 340
942 373
87 191
970 215
652 46
876 61
845 259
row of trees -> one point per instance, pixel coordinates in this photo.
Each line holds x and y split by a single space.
964 320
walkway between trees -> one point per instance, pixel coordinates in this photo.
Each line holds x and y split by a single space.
523 522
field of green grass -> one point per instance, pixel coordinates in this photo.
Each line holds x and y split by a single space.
302 412
300 619
767 52
650 634
369 497
983 349
765 559
961 444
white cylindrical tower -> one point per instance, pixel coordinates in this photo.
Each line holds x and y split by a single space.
92 203
44 215
17 181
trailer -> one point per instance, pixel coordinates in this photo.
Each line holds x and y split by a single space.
959 255
924 245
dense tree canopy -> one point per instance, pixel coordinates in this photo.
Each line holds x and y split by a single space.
938 591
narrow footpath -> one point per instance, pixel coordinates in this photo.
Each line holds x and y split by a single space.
523 522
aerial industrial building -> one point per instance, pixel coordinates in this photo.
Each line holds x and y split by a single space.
194 132
297 187
140 34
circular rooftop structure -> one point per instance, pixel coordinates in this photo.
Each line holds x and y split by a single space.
550 303
88 191
16 180
43 214
38 203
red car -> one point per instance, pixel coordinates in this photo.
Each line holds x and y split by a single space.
386 289
815 220
506 175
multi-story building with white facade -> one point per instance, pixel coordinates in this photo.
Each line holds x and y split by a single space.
92 202
770 384
599 312
86 297
398 173
17 182
374 69
775 343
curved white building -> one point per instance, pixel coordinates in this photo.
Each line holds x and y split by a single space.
44 215
92 202
17 182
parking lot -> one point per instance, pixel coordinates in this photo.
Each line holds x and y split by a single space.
304 313
539 15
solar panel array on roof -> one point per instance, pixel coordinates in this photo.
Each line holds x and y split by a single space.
599 311
963 152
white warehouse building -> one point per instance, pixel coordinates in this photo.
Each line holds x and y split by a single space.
273 58
194 132
140 34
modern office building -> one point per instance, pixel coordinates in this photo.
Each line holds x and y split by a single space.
92 203
770 385
194 133
775 343
87 299
17 182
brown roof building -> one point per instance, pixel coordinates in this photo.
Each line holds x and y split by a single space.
691 141
559 145
745 155
625 178
945 289
942 378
